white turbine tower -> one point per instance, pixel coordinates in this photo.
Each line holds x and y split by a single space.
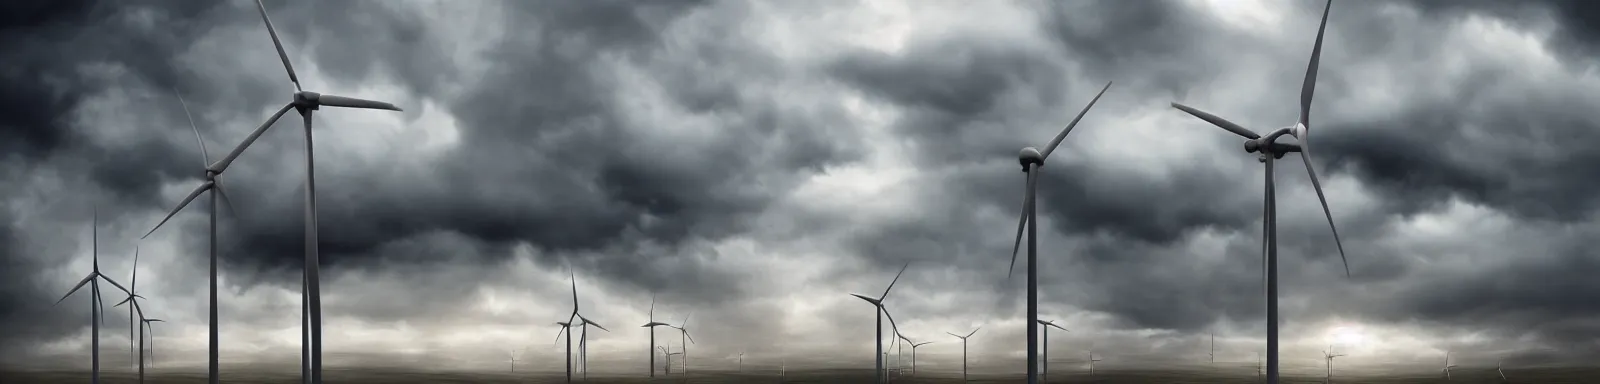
95 304
879 313
1031 159
1270 150
306 103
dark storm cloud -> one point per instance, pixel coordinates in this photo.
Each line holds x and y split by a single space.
961 100
549 153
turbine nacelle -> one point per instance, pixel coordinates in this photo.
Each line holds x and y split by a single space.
1030 156
307 100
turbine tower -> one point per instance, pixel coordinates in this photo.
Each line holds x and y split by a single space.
513 361
684 339
1447 365
212 182
1269 150
136 309
964 350
1092 359
880 312
95 305
741 362
652 325
1329 355
306 103
1044 359
149 326
1212 355
566 328
1031 159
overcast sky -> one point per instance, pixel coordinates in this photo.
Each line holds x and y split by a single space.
753 162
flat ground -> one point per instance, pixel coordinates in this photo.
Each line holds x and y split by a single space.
393 376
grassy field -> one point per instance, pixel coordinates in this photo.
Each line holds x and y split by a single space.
396 376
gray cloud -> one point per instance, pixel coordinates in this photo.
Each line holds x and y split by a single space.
752 166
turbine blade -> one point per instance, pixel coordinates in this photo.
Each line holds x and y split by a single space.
652 307
1218 121
186 200
114 283
574 277
222 165
952 334
1305 156
690 336
1310 85
597 325
351 102
94 290
1022 221
279 44
559 333
124 301
1063 135
891 282
75 288
974 331
222 193
205 157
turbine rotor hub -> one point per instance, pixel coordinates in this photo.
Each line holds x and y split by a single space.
1030 156
307 100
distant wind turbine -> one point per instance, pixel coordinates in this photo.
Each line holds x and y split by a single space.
668 351
1269 150
1259 372
1329 355
583 343
652 325
684 339
148 326
1031 159
741 362
1447 365
566 326
1044 359
95 305
513 360
1092 359
306 103
1212 356
212 182
880 312
964 350
135 309
914 355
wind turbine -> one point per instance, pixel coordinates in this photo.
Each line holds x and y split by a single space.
1212 355
95 305
1044 360
1031 159
741 362
212 182
1447 365
149 325
583 343
652 325
964 350
684 339
513 360
1092 359
306 103
914 355
1329 355
1258 366
1271 150
669 358
878 305
135 309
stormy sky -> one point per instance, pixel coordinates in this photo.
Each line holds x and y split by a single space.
753 162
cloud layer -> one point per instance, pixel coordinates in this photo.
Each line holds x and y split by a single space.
751 163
